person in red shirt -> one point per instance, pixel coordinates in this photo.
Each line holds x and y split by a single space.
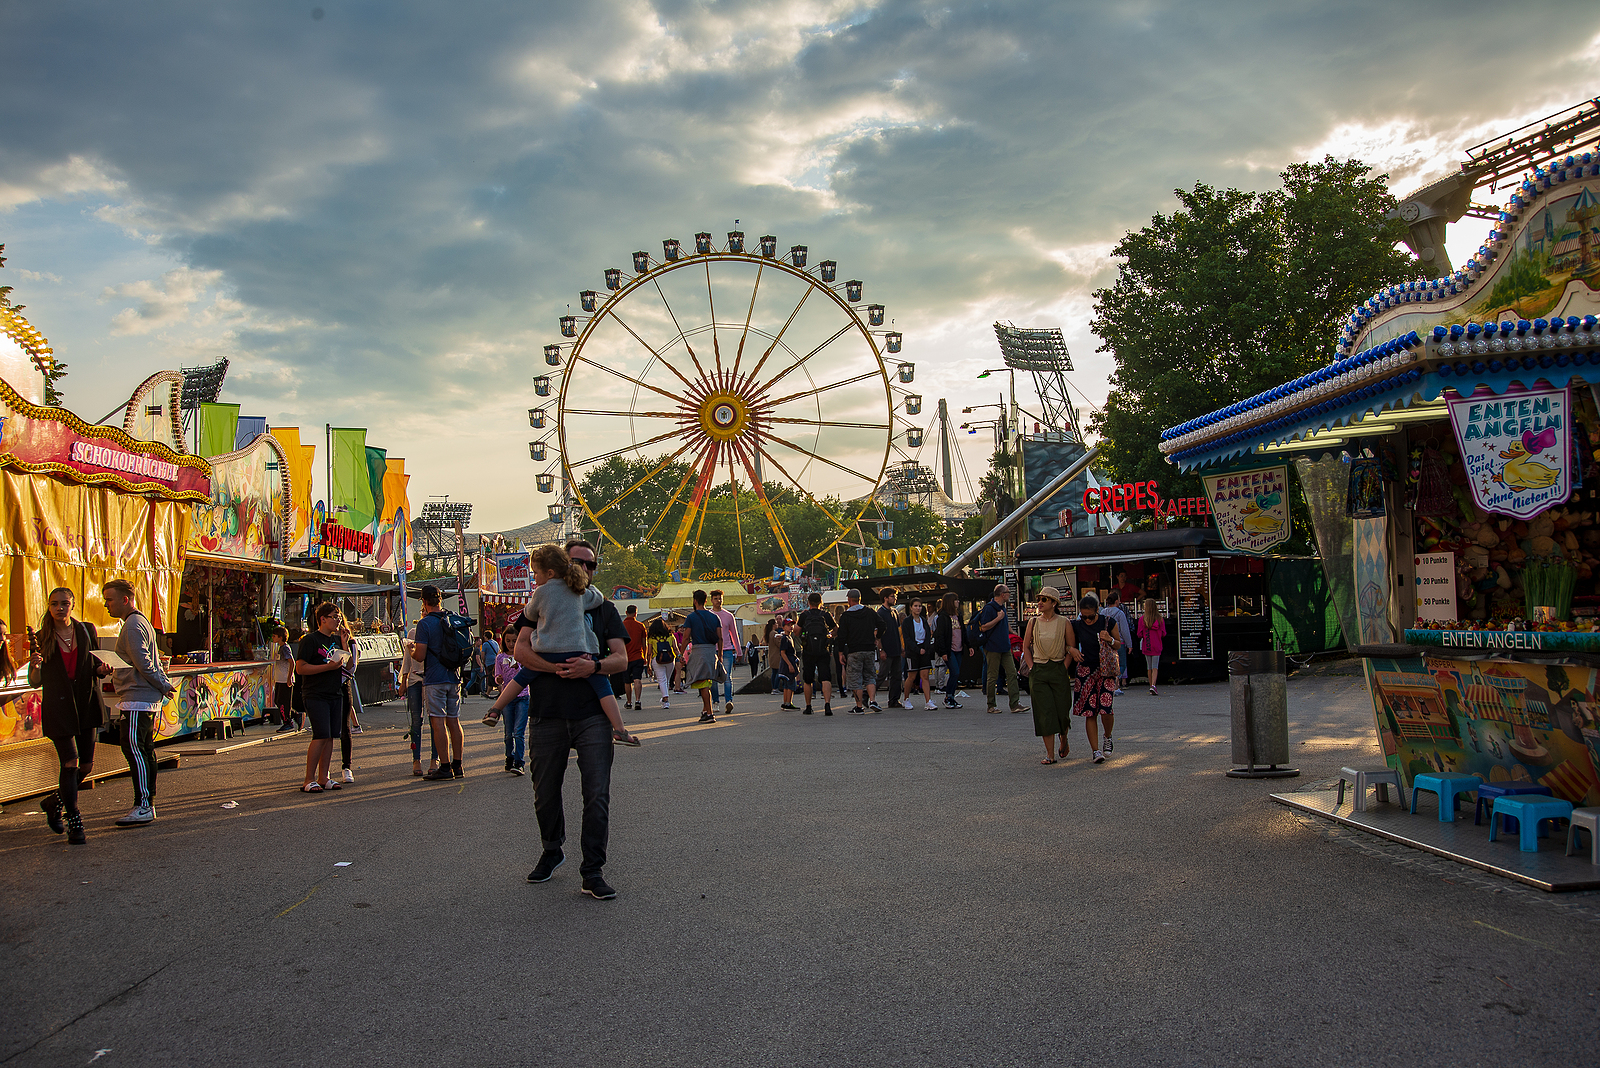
634 694
1127 590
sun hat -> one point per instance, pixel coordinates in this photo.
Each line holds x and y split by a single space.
1051 592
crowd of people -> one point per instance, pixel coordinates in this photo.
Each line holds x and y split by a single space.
558 670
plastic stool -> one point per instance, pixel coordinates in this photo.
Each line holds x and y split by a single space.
1491 790
1362 778
1530 811
1447 786
1585 819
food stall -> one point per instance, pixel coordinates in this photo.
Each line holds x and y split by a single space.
79 504
373 612
1451 460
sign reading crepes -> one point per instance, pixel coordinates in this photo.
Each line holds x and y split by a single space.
1251 507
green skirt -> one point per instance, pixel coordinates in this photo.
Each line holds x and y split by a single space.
1051 692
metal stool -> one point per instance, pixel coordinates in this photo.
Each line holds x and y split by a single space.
1448 786
1585 819
1491 790
1531 811
1362 778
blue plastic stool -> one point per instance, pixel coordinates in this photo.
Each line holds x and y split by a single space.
1447 786
1491 790
1531 811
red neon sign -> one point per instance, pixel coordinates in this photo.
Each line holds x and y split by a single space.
1141 497
335 536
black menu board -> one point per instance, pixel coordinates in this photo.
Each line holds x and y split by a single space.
1194 609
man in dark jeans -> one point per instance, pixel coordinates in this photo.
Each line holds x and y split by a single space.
893 654
565 715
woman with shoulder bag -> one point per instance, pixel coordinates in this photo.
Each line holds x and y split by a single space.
916 638
68 673
1096 667
949 641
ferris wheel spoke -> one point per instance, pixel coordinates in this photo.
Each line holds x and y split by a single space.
653 473
711 300
626 448
626 378
651 349
820 389
785 546
674 317
694 509
745 334
786 443
688 473
630 415
778 338
820 422
738 525
773 460
787 371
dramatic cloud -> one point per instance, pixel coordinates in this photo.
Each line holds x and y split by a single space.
379 214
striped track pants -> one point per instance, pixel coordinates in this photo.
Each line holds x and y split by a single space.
139 746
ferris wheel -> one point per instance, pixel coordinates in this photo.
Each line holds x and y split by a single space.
724 397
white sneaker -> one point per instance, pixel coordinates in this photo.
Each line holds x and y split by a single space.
349 776
138 815
666 702
929 707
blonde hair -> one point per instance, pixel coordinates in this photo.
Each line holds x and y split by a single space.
1151 616
554 558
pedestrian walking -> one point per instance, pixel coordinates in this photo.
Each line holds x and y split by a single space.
781 660
702 659
816 643
142 688
635 685
728 650
752 655
1094 659
1044 657
994 624
411 672
893 648
663 650
62 665
1119 619
319 664
489 652
680 671
282 658
949 642
861 639
515 714
916 638
570 719
1152 636
437 647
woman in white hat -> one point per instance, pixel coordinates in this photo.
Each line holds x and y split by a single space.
1044 658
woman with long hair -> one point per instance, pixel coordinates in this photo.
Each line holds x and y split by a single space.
282 658
916 638
351 697
1093 650
660 643
516 713
949 641
1152 637
62 664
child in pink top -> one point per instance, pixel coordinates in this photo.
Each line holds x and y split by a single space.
1152 632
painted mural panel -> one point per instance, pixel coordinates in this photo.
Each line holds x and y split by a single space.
243 519
1496 719
242 692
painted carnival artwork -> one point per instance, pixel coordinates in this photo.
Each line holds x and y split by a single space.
1499 720
209 696
1251 507
1516 449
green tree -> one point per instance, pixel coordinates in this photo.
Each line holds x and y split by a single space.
1234 293
621 566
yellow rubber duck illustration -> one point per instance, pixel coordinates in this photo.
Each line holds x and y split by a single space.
1252 518
1521 471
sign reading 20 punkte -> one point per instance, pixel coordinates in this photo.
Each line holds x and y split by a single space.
1516 449
1251 508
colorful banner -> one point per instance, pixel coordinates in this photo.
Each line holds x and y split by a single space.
393 535
214 695
512 573
402 561
1516 449
244 517
301 458
54 441
1251 508
350 499
319 516
219 426
1501 721
376 467
248 429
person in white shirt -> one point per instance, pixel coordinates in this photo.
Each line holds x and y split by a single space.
729 650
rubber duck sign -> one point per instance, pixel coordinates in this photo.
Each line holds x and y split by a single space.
1517 450
1251 508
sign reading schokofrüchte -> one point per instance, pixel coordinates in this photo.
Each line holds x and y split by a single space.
1517 449
1251 508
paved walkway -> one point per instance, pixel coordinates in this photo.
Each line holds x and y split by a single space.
905 888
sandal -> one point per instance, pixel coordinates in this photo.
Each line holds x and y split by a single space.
311 788
622 737
1048 760
332 784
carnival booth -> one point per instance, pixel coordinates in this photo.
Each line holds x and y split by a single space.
1451 460
80 504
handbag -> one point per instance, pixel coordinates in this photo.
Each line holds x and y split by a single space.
1110 662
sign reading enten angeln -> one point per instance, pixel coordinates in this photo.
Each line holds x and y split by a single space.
1251 508
1517 449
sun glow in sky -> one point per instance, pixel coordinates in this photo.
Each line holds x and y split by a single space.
378 214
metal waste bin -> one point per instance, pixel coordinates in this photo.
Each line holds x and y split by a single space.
1258 685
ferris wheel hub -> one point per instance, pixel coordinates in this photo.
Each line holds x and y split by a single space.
724 415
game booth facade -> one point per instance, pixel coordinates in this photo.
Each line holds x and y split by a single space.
1450 458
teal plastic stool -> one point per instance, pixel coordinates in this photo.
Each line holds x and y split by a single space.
1530 812
1448 786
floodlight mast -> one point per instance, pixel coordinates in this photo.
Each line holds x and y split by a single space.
1044 354
201 385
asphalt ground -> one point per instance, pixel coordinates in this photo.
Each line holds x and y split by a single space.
904 888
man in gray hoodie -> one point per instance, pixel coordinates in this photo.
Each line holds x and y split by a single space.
142 688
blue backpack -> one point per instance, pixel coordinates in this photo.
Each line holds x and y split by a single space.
455 646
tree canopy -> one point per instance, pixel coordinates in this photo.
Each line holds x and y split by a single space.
1234 293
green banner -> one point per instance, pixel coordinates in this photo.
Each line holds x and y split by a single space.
350 502
377 464
219 423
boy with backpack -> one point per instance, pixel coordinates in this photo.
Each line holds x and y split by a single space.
443 646
816 655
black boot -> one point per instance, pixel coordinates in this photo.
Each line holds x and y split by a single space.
52 812
75 833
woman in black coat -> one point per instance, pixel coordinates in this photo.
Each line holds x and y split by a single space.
62 664
949 628
916 638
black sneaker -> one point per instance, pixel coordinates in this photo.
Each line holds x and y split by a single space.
827 710
858 711
950 702
455 769
598 889
806 711
442 773
874 706
1105 746
51 806
549 861
707 717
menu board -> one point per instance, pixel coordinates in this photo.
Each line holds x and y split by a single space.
1194 609
1013 583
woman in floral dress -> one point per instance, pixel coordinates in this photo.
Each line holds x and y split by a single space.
1094 643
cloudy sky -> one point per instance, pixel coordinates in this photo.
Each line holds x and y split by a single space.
378 210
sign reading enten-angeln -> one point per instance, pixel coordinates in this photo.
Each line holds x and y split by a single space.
1252 508
1516 449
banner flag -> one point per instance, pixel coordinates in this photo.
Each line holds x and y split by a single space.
376 468
350 498
301 457
219 426
248 429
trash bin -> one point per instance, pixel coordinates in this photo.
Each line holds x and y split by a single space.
1259 687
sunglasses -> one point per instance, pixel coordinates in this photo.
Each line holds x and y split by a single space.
590 564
